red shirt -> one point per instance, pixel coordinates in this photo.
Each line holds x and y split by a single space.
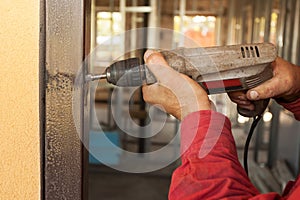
210 167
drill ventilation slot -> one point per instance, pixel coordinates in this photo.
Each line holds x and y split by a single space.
250 52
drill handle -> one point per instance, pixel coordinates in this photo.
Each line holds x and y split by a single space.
260 107
251 82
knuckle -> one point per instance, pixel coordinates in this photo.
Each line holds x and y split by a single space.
269 91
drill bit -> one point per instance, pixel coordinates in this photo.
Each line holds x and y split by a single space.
91 77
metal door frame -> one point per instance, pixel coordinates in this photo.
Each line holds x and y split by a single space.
64 42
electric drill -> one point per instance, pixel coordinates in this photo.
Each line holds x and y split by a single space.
217 69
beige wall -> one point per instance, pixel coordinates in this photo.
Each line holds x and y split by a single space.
19 97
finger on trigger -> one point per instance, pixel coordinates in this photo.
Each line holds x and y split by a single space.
237 95
248 107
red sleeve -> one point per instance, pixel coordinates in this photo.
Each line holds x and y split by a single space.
210 167
294 107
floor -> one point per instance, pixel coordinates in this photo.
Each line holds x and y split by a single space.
106 183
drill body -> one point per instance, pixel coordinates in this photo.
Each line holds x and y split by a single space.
217 69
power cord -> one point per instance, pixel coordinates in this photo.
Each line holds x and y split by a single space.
251 131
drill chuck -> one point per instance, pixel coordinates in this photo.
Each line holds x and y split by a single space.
129 73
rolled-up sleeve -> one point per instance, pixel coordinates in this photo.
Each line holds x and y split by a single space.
210 167
294 107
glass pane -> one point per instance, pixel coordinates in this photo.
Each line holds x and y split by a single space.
201 29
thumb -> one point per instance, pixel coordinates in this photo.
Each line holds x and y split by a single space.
159 66
154 57
264 91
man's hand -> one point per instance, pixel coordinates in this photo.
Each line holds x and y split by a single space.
176 93
284 86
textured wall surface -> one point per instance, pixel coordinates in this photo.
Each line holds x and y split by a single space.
19 97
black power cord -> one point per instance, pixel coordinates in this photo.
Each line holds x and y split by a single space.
251 131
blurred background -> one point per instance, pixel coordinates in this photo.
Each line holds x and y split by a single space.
65 137
273 157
